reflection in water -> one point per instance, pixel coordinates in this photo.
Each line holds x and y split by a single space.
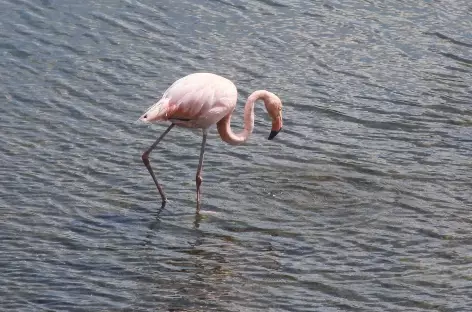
200 267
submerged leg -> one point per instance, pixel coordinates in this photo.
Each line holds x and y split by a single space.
198 178
146 162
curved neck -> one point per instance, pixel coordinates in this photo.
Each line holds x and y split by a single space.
224 125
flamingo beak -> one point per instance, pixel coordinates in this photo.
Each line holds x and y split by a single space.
273 134
276 126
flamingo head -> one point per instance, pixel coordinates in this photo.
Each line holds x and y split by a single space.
274 108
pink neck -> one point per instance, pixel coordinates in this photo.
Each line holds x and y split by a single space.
224 125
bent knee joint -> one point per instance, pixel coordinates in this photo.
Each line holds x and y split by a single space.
145 158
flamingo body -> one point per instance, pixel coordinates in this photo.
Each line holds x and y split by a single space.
198 100
201 100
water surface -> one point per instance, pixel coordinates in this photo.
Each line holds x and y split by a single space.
361 203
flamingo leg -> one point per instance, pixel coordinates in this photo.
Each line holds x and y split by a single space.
198 177
146 162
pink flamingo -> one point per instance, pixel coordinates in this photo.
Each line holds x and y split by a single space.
199 101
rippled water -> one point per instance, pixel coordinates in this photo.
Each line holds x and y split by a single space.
362 203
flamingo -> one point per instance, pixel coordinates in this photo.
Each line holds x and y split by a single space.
200 100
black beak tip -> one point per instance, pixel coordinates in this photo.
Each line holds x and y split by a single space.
272 134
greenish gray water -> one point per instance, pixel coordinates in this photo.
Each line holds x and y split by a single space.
361 203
